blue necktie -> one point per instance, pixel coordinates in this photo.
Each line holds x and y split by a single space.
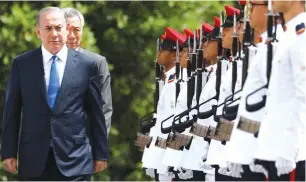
54 84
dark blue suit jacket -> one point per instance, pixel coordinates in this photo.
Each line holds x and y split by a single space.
64 125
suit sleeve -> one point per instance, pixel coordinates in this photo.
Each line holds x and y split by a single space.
94 106
297 116
105 80
11 115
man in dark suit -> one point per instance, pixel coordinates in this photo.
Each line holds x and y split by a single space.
75 19
54 86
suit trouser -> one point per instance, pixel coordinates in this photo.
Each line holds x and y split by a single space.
299 172
248 175
52 173
297 175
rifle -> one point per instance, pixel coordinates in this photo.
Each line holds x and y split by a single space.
230 112
177 72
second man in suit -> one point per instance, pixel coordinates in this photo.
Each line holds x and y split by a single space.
76 23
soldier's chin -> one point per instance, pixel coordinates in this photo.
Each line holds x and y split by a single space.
72 45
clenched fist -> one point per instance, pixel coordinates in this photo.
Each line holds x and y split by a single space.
10 165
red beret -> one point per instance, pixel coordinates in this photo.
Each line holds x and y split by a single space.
217 22
207 28
173 35
242 2
230 11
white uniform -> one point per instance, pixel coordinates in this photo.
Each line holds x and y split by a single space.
242 144
282 131
171 156
198 148
216 154
165 108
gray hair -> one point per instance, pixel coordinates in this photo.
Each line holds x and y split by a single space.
48 9
71 12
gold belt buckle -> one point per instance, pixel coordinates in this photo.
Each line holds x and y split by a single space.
248 125
211 132
198 130
224 130
179 140
161 142
142 141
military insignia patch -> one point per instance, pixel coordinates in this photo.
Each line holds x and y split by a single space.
171 78
300 28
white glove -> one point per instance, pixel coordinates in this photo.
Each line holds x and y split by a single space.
223 171
284 166
150 172
205 166
185 175
204 157
226 172
257 168
235 170
210 177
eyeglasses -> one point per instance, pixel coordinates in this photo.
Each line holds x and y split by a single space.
253 4
211 39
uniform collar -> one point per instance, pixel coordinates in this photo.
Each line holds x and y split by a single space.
294 21
264 35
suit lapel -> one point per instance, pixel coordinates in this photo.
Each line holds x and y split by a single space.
38 67
68 75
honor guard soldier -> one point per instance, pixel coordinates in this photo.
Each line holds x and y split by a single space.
281 139
242 144
166 104
215 155
172 156
195 152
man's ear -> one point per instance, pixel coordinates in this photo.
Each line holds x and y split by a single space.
173 53
37 31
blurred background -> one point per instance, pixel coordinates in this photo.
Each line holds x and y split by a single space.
125 33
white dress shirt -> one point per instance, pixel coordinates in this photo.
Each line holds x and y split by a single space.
47 62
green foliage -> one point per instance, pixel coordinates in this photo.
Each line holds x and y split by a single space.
125 33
